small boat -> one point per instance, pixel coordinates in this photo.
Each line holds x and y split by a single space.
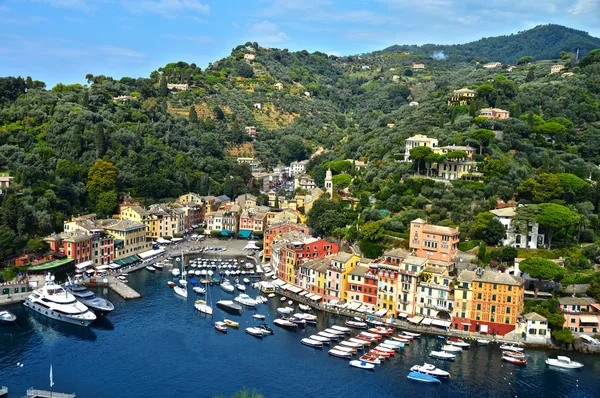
175 272
282 299
336 332
361 342
231 324
386 347
459 343
322 339
380 332
373 322
483 342
330 336
309 318
411 334
370 359
122 278
199 290
6 316
351 344
312 343
265 328
246 281
356 325
451 348
241 288
423 378
220 326
345 349
285 310
442 355
514 354
340 354
229 306
341 329
298 321
245 300
183 282
563 362
271 295
362 364
510 347
150 268
194 282
256 332
227 286
380 354
171 284
284 323
290 302
394 343
158 265
201 306
370 335
258 316
181 291
430 370
400 339
516 361
406 337
304 307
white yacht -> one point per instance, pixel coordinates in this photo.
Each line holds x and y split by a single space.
99 305
245 300
6 316
563 362
55 302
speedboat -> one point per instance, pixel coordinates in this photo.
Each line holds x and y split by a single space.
312 343
514 354
516 361
322 339
175 272
411 334
351 344
201 306
510 347
227 286
340 354
304 307
285 310
362 365
424 378
373 322
442 355
483 342
451 348
271 295
393 343
345 349
220 326
181 291
458 343
430 370
150 268
158 265
256 332
284 323
240 287
6 316
400 339
99 305
330 336
356 325
258 316
298 321
370 359
563 362
54 302
341 335
171 284
341 329
246 281
231 324
245 300
229 306
266 329
359 341
199 290
282 299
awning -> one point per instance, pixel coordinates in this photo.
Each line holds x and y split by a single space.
244 233
129 260
354 306
251 246
588 319
224 232
84 264
279 282
426 321
151 253
315 297
444 324
268 274
402 315
415 319
483 329
465 323
304 293
295 289
162 241
381 312
102 267
285 286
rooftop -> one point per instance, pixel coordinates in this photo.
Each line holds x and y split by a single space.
414 260
534 316
319 264
434 270
505 212
576 301
359 270
491 277
420 137
342 257
401 253
122 225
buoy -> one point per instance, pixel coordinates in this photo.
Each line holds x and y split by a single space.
21 365
18 363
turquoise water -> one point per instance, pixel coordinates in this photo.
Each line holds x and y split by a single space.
159 346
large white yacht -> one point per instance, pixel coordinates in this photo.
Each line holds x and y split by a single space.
99 305
55 302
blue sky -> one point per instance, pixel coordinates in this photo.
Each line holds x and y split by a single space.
63 40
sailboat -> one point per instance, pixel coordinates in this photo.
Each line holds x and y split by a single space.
181 290
183 282
204 306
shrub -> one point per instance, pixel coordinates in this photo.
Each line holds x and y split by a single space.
468 245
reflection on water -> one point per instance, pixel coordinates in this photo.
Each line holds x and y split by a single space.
52 329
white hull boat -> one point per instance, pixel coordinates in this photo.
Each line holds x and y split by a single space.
430 370
256 332
175 272
330 336
362 365
451 348
341 329
351 345
181 291
201 306
356 325
312 343
285 310
304 307
322 339
508 347
340 354
442 355
245 300
563 362
199 290
483 342
258 316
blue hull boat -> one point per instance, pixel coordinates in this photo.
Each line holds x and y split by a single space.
422 378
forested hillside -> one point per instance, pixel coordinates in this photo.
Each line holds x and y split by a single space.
72 148
541 42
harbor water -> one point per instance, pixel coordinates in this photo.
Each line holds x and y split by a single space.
160 346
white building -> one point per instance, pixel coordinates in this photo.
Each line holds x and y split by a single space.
435 297
535 328
329 183
418 140
298 168
532 239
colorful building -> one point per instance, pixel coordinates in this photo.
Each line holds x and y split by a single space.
582 314
130 237
410 270
461 97
337 275
277 230
362 286
432 241
435 295
76 245
387 289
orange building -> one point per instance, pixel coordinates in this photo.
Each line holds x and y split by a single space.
432 241
275 230
76 245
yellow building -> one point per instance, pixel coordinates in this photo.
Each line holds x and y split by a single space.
387 291
341 264
130 237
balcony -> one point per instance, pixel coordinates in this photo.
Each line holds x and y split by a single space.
435 286
437 307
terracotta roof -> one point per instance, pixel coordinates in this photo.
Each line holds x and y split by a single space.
122 225
414 260
534 316
401 253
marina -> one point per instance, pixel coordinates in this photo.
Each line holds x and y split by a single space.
176 333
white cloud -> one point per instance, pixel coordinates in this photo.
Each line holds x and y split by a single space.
266 32
585 6
123 52
169 8
75 5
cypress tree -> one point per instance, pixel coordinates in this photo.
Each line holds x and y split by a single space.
530 75
193 116
163 90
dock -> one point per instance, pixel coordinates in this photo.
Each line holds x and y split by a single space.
116 285
31 393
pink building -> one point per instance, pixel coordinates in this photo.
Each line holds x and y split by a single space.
432 241
582 314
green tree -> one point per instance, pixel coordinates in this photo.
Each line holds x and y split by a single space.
487 228
530 75
485 90
341 181
100 140
563 336
482 136
594 289
525 59
372 231
523 221
430 159
324 216
219 115
593 57
193 116
106 203
553 217
482 252
546 188
244 70
163 90
418 155
542 269
7 242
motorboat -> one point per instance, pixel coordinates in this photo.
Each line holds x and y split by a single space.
322 339
150 268
266 329
183 282
245 300
336 332
373 322
387 347
370 359
451 348
563 362
510 347
356 325
284 323
330 336
175 272
459 343
411 334
201 306
171 284
309 318
122 278
362 365
393 343
304 307
282 299
483 342
516 361
406 337
340 354
298 321
229 306
359 341
514 354
220 326
371 335
227 286
199 290
231 324
6 316
312 343
99 305
256 332
181 291
54 302
271 295
351 344
423 378
430 370
345 349
442 355
380 354
285 310
158 265
246 281
400 339
240 287
193 282
258 316
341 329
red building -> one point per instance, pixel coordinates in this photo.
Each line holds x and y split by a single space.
76 245
362 286
275 230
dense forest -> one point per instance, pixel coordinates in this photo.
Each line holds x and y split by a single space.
72 148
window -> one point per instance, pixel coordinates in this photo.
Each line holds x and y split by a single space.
479 296
464 295
480 284
507 320
493 318
493 297
508 310
510 288
495 286
509 299
478 307
493 309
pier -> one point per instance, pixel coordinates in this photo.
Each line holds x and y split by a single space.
31 393
116 285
